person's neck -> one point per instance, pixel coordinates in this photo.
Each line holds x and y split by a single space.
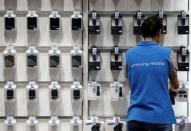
148 39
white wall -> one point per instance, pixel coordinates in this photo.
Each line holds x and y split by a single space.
66 38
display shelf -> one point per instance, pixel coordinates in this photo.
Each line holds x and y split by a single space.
132 13
38 117
104 49
38 82
40 13
41 49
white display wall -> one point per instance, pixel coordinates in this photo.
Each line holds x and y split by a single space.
65 39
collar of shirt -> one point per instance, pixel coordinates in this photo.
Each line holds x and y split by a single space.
147 43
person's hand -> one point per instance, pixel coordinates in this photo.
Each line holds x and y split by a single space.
173 91
172 94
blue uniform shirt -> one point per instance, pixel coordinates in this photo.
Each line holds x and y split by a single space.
148 69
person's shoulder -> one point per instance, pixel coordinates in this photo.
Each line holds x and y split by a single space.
129 52
165 50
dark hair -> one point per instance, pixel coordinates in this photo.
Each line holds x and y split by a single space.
151 26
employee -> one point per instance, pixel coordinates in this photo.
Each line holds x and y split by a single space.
148 68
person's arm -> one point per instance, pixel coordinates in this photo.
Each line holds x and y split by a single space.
125 66
173 73
174 82
126 71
